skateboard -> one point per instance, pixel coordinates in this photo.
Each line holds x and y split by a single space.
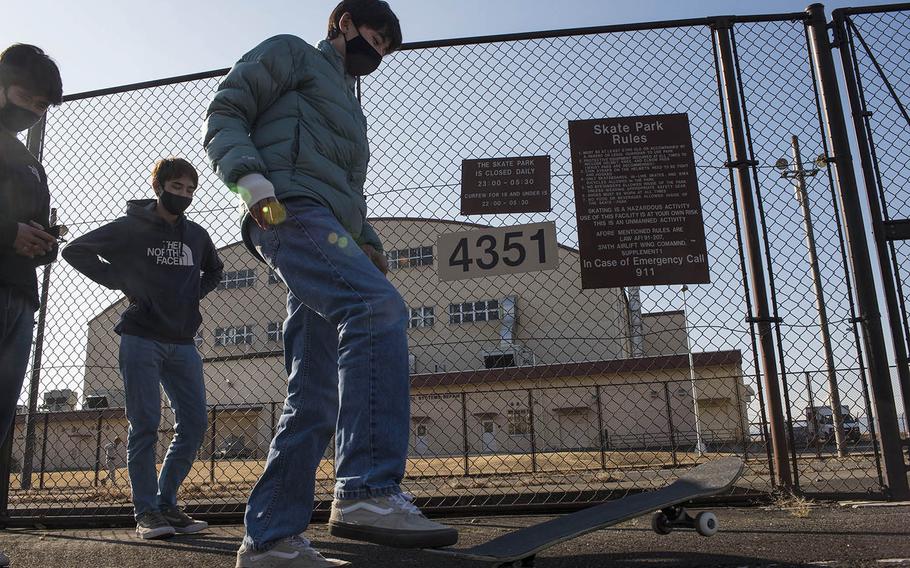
519 548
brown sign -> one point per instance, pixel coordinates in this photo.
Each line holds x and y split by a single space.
505 185
637 203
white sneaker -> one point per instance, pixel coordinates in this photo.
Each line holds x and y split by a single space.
291 552
392 521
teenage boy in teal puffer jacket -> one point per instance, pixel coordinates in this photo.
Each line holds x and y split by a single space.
286 132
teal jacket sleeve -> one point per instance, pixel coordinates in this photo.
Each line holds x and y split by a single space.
255 83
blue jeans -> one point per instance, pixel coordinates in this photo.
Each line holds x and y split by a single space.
17 320
145 364
346 356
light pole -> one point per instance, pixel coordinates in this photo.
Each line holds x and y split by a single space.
799 175
700 447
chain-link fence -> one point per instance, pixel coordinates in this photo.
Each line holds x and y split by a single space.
526 389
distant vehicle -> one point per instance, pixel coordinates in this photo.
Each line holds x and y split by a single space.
820 425
234 448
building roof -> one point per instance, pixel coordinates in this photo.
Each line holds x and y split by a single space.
639 364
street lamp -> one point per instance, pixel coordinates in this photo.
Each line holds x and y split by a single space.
799 175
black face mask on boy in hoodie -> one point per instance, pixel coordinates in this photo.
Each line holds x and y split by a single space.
173 203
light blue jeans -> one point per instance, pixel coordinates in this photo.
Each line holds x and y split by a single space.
145 364
346 356
17 320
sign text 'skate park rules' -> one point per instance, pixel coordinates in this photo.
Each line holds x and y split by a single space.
636 202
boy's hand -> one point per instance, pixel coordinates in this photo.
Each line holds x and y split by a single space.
268 213
376 257
32 241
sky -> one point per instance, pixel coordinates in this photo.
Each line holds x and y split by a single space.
106 43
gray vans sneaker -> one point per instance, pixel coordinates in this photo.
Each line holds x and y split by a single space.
391 521
292 552
153 525
182 523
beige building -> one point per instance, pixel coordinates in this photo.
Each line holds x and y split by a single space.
510 363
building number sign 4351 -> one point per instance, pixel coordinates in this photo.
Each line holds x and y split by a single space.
501 250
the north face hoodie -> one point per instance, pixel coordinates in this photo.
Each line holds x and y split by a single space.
163 269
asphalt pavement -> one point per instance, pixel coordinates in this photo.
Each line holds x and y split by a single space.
817 535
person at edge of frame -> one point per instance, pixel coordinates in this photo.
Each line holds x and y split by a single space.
29 84
286 132
165 264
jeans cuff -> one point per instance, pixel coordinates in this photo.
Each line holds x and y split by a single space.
367 492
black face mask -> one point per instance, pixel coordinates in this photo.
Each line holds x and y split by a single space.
173 203
15 118
360 58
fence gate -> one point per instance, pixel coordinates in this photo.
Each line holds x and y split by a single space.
526 390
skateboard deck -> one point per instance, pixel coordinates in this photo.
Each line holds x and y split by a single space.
703 480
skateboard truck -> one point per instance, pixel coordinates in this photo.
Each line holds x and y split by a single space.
677 517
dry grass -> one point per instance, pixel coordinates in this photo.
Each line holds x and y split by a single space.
795 505
238 476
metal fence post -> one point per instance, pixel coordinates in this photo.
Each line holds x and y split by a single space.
98 445
871 180
35 382
741 164
531 430
600 428
670 425
860 258
212 444
47 417
464 431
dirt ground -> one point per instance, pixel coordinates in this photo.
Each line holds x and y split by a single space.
786 534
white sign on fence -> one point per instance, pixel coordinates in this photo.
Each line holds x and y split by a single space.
499 250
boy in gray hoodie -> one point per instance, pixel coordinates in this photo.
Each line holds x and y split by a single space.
164 264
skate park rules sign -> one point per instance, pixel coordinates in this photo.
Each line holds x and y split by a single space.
636 202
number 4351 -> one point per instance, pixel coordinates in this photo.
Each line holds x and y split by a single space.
513 252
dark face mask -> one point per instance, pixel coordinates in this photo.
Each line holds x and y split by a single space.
173 203
360 58
15 118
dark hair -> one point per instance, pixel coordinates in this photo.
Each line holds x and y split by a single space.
167 169
28 66
374 14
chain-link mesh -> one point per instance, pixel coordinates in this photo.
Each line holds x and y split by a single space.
878 43
525 388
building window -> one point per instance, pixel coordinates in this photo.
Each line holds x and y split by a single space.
487 310
275 331
234 335
273 277
499 360
404 258
422 317
519 422
238 279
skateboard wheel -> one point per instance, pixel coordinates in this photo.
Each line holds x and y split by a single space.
706 524
661 524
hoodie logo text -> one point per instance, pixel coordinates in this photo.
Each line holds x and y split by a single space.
172 253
